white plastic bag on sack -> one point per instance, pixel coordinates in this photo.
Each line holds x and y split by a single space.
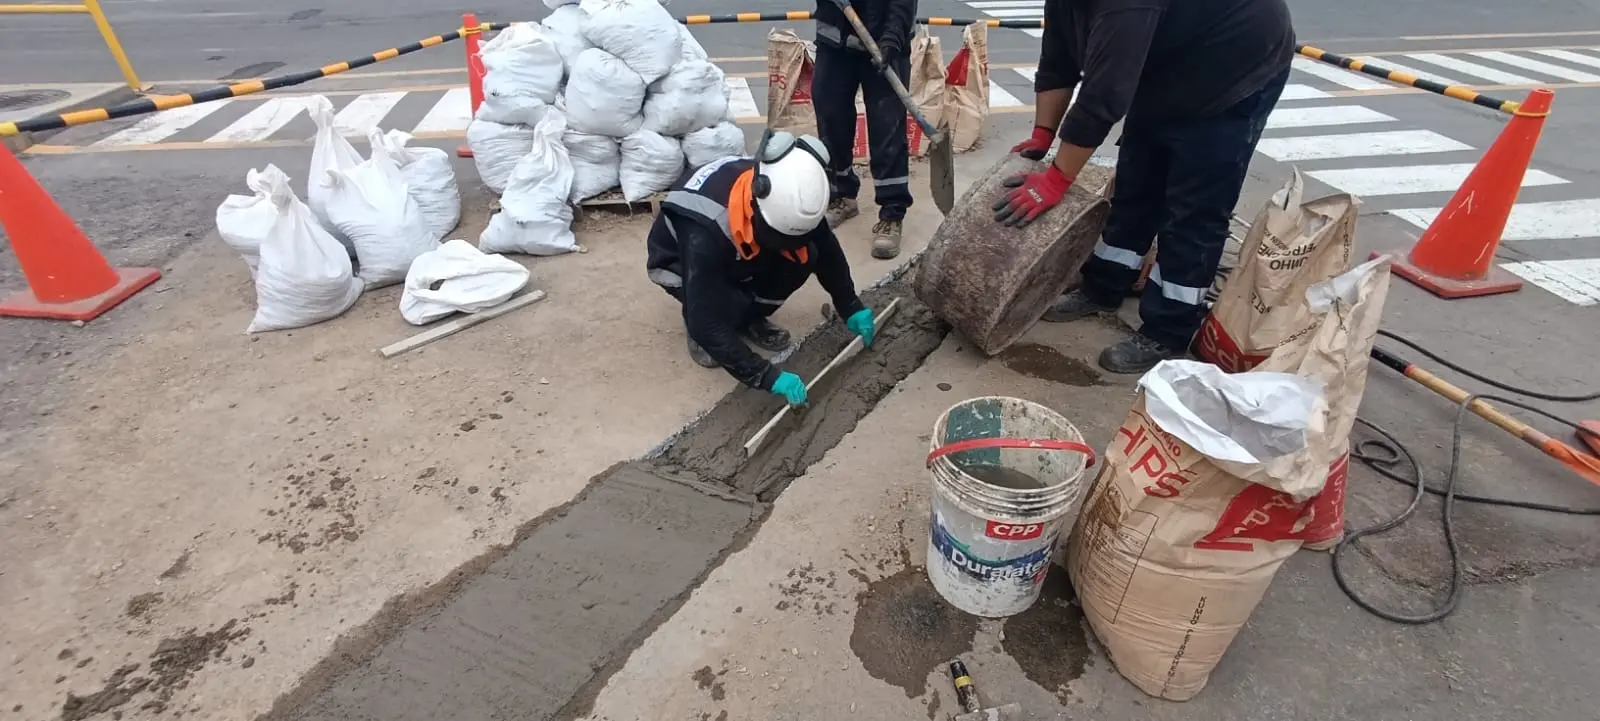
244 221
689 98
564 28
305 275
534 216
458 278
429 178
496 149
708 144
522 72
640 32
692 50
595 163
372 206
329 151
650 163
558 4
604 96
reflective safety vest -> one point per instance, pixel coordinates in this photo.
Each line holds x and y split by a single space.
718 195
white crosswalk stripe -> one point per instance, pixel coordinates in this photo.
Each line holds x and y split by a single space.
1332 115
259 124
1469 68
1388 64
1576 281
1357 145
1338 76
1000 97
1570 57
1554 220
160 126
1407 179
1538 66
365 112
452 113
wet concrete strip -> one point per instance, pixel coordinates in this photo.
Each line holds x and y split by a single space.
531 631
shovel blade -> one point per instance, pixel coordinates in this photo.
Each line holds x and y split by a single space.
942 166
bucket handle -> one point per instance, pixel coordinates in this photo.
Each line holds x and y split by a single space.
1040 443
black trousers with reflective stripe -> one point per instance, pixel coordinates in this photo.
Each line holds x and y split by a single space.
1178 181
839 73
764 292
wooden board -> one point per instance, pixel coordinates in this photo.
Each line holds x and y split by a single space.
460 324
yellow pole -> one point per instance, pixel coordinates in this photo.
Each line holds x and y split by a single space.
114 45
41 9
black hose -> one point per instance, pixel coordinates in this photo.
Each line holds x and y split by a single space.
1383 456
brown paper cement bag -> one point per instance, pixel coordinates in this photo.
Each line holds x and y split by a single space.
789 68
1182 532
966 97
1349 309
927 92
1292 245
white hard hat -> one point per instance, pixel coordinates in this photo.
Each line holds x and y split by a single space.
793 195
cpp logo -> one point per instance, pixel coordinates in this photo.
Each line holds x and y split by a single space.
1014 532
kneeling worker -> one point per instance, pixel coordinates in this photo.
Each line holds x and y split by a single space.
734 239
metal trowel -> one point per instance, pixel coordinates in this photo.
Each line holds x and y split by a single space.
941 156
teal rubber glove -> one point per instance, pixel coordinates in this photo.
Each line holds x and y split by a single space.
862 324
790 387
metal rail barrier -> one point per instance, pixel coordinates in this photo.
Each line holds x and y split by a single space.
1395 76
92 9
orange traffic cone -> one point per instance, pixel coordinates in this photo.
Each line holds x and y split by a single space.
1591 435
472 32
68 279
1455 257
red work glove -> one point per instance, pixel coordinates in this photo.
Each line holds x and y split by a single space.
1036 145
1033 194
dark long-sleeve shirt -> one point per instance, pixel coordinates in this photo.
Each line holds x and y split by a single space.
1158 58
886 20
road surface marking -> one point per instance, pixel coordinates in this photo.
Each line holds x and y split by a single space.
1571 57
1331 115
1339 76
1556 220
1469 68
1577 281
162 125
365 112
1018 14
1302 92
741 102
259 124
452 112
1538 66
1001 98
1391 65
1355 145
1036 32
986 4
1028 73
1371 182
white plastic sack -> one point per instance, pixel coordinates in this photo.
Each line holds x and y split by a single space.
496 149
689 98
329 151
458 278
429 178
650 163
522 73
534 216
595 163
708 144
564 28
305 275
558 4
372 206
604 96
244 221
640 32
692 50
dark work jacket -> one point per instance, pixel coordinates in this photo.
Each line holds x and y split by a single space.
691 250
1158 59
886 20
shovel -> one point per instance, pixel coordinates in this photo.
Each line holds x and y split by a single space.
941 158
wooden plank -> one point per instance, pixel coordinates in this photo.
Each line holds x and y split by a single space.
460 324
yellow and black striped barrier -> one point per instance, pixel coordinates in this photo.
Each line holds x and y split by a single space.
164 102
804 15
1395 76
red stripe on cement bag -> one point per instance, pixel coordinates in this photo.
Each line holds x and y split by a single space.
966 89
789 67
1292 245
1193 512
927 92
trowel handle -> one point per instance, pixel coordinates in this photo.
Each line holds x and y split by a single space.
1041 444
883 67
966 692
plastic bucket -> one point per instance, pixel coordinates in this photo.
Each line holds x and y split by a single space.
1005 473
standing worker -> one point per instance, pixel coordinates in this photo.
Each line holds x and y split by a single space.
843 66
734 239
1194 81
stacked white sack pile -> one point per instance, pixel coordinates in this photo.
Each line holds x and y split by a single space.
637 95
366 223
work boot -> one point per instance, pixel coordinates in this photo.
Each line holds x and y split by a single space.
1076 305
767 335
886 239
1137 354
840 210
700 356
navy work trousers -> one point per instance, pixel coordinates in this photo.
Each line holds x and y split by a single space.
1178 180
839 73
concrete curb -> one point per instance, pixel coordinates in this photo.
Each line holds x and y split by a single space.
22 141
